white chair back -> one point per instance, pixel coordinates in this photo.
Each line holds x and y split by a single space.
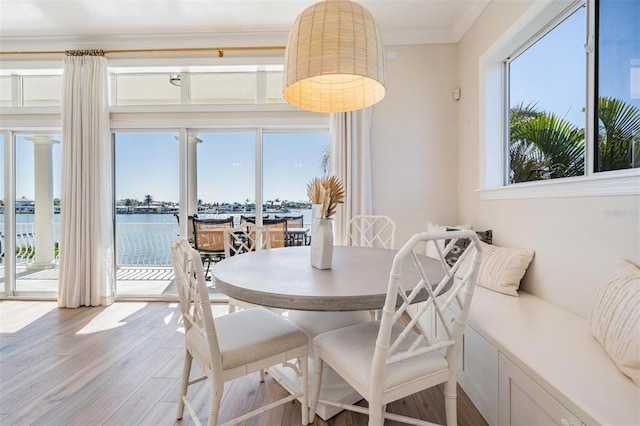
449 291
396 357
244 238
194 298
372 231
243 342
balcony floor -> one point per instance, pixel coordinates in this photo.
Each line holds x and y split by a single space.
151 282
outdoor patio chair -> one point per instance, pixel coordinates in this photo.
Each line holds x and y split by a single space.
293 221
372 231
189 225
391 359
208 238
277 232
294 239
233 345
251 218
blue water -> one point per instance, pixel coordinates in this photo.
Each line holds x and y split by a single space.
143 245
157 218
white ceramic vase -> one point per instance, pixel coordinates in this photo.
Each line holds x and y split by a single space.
321 239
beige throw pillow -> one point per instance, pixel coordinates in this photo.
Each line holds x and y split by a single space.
615 318
501 268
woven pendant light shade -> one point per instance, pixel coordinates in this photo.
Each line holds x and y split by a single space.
334 60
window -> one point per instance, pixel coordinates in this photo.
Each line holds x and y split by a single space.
31 90
547 104
42 90
560 119
275 83
223 88
220 85
5 91
146 89
618 85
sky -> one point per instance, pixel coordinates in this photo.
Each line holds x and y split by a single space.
554 72
148 164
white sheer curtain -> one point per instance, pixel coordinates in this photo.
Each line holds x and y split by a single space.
351 162
86 219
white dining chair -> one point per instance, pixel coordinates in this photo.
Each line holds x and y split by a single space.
245 238
372 231
233 345
389 359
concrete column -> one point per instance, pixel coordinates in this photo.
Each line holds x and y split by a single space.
43 223
192 172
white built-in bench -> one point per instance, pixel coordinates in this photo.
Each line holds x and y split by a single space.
527 361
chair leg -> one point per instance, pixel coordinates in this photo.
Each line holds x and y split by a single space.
214 408
376 415
304 367
315 388
186 371
450 397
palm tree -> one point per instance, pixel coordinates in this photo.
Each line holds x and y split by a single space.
324 161
618 135
543 146
147 200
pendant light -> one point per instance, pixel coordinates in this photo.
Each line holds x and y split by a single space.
335 59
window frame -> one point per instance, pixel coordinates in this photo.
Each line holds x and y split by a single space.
493 107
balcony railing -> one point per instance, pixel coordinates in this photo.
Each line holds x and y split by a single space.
145 244
137 244
25 243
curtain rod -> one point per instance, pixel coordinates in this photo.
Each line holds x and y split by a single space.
220 50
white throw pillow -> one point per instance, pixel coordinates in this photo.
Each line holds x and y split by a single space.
501 268
431 250
615 318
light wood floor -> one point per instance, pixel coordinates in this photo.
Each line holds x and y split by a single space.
120 365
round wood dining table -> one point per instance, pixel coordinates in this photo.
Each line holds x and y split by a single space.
284 278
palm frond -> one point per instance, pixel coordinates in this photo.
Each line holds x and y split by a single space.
327 191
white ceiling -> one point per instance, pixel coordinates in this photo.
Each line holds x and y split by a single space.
108 24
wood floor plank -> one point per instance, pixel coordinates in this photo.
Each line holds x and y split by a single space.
77 371
115 396
64 387
140 404
121 365
240 397
161 414
267 393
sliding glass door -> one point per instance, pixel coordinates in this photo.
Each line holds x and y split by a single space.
146 203
36 230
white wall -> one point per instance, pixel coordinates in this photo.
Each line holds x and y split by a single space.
577 240
413 140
